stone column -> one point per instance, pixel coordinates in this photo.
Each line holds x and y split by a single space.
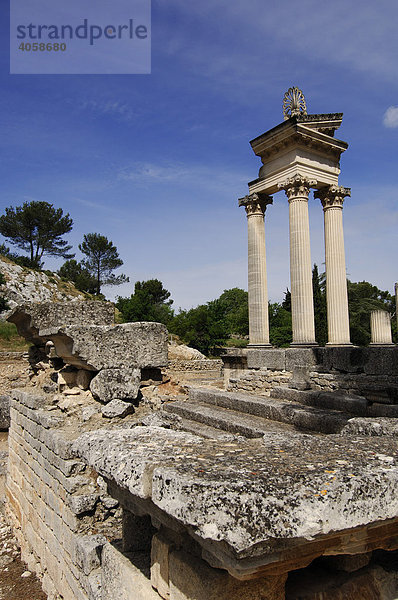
380 328
255 205
297 189
332 199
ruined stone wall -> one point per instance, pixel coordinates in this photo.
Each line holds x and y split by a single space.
209 364
55 505
259 382
353 383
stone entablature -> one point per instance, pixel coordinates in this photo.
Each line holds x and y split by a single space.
295 148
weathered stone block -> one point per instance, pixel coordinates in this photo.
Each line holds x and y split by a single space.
5 412
82 504
190 577
140 345
272 358
121 579
88 552
83 379
300 358
161 548
117 408
111 384
32 317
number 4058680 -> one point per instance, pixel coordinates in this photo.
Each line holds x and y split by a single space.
42 47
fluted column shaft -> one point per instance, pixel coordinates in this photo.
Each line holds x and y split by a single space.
332 200
297 190
380 328
255 206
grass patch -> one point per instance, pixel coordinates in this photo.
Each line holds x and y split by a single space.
236 343
10 341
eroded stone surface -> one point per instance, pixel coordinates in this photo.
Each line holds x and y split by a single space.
31 317
140 345
112 384
4 412
255 499
117 408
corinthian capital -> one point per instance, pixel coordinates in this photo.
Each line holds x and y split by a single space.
332 196
297 187
255 204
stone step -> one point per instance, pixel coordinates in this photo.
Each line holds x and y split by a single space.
226 419
284 411
352 404
204 431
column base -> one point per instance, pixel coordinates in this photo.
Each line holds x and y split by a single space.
337 345
375 345
259 346
304 344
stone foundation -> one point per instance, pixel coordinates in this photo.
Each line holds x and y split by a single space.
368 372
259 381
55 505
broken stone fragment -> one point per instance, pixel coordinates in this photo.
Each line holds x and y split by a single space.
31 317
88 552
67 377
90 411
117 408
143 345
82 504
83 379
110 384
4 412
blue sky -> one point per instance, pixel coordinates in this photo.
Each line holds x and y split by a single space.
157 162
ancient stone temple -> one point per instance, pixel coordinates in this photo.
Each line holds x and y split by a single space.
298 155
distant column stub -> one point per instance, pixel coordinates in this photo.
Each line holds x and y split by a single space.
293 103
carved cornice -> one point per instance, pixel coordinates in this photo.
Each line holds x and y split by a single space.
297 187
332 196
255 204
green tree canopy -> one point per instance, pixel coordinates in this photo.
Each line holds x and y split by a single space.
363 297
233 311
280 325
150 302
102 258
320 313
74 271
200 328
37 228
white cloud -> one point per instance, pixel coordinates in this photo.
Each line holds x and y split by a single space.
113 108
390 118
214 177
